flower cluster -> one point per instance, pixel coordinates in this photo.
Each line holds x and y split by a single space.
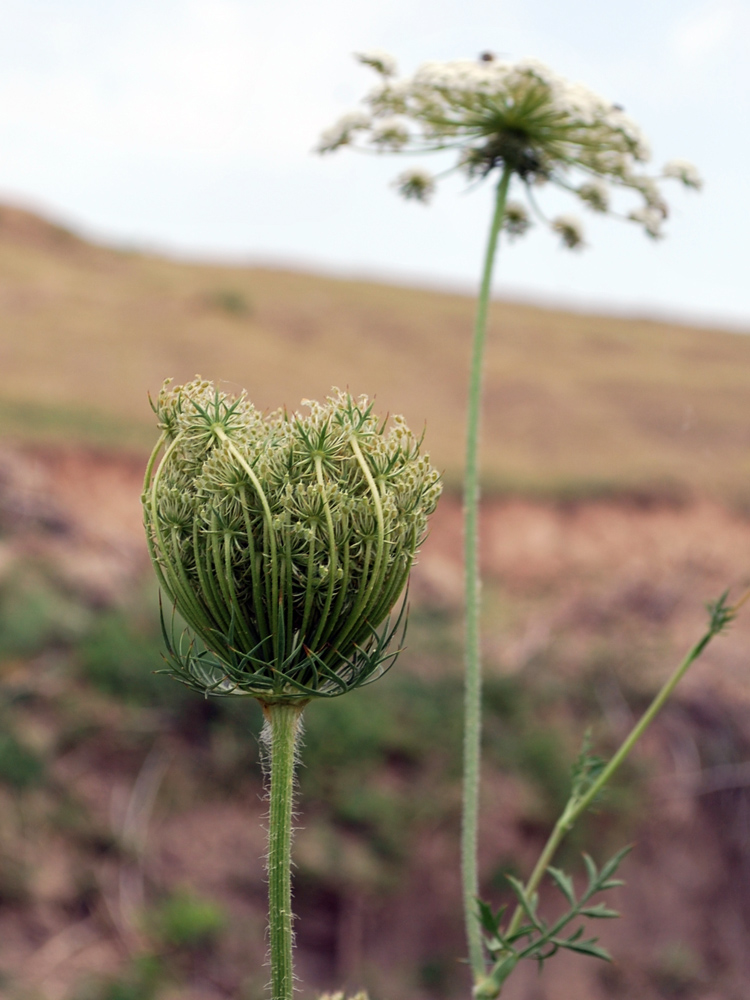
283 540
515 116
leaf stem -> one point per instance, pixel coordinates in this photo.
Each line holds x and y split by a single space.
578 805
283 722
473 682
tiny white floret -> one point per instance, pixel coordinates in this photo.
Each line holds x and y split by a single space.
570 230
381 62
684 171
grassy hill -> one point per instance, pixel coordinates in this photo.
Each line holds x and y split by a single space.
574 403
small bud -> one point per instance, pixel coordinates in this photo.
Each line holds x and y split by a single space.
570 231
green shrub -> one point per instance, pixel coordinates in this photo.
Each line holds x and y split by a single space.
20 767
678 971
120 657
406 721
231 301
34 614
185 921
139 981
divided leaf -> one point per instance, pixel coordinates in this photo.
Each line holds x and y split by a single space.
564 883
538 940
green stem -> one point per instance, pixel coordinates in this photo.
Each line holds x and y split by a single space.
577 806
332 556
283 721
152 461
473 689
274 607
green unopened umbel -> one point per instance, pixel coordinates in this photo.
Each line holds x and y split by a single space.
282 540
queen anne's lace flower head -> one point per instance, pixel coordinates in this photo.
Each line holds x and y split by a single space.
283 540
515 116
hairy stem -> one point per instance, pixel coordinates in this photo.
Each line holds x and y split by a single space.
473 688
283 721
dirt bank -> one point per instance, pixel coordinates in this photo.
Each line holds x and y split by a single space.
611 591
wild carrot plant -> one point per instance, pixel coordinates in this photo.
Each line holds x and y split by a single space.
284 542
526 128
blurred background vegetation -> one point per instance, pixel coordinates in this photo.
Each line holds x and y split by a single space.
616 501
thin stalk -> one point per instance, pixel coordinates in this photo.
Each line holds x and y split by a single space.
576 807
268 530
283 722
152 461
332 556
473 683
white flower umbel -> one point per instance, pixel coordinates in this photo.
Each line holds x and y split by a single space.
516 116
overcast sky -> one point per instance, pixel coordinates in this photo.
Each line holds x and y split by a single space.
187 126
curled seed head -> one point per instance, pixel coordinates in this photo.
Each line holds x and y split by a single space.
285 540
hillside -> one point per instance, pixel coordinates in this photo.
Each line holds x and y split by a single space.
132 814
575 404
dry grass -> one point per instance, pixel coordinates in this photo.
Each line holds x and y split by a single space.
575 404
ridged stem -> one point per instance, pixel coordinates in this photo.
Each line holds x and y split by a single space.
274 603
473 681
283 721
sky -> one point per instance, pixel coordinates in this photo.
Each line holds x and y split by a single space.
188 127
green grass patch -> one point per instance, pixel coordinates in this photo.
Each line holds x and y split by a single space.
184 921
231 301
20 767
41 422
120 656
36 613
